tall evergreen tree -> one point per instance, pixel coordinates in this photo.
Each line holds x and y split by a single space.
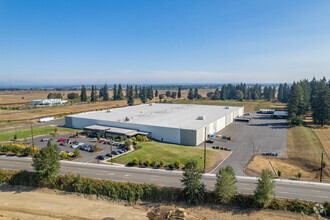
83 94
286 92
127 91
225 187
190 94
179 92
321 103
280 93
216 95
144 95
47 162
93 94
264 192
156 93
194 188
115 96
130 97
120 95
196 95
105 93
295 103
136 92
224 93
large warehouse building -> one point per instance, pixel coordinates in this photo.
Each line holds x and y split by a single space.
174 123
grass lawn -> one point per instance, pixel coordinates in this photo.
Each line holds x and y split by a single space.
12 123
170 153
21 133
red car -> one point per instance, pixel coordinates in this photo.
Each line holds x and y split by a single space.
62 139
63 144
101 141
73 136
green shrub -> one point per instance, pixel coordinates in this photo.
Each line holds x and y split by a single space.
161 163
139 138
140 162
154 163
243 201
171 166
327 208
300 206
176 164
147 162
134 162
279 173
299 175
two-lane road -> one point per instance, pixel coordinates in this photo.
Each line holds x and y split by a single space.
284 188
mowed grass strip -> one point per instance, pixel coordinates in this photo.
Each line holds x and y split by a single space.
12 123
169 153
7 135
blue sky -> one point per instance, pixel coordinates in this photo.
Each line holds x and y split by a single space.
163 41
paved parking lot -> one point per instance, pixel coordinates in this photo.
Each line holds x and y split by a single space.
262 134
86 157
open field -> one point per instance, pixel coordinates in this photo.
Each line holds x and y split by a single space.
22 133
303 155
323 133
20 202
170 153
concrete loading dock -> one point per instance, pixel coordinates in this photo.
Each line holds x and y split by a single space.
174 123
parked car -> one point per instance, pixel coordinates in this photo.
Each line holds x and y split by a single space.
74 146
63 144
100 157
73 136
120 151
210 141
108 155
101 141
115 153
61 139
45 139
70 154
72 142
92 149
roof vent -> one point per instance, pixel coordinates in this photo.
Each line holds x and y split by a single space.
201 117
227 107
109 110
151 104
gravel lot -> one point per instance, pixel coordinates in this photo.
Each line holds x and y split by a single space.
262 134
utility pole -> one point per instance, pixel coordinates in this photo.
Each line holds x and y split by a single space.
205 151
111 152
321 167
32 137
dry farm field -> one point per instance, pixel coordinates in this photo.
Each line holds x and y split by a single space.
24 203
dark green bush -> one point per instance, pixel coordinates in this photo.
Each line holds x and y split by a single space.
154 164
171 166
300 206
243 201
176 164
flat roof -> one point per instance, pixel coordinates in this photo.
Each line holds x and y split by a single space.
120 130
160 114
97 127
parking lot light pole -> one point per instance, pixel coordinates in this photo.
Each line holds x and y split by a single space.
111 153
32 138
205 151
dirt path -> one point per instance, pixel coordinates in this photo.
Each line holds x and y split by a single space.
29 203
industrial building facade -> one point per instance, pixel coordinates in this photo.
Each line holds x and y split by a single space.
183 124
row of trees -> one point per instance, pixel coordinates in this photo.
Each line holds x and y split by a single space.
314 95
54 96
225 187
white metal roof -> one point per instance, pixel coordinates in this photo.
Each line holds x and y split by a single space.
161 114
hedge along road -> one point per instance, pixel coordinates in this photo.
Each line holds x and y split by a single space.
316 192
